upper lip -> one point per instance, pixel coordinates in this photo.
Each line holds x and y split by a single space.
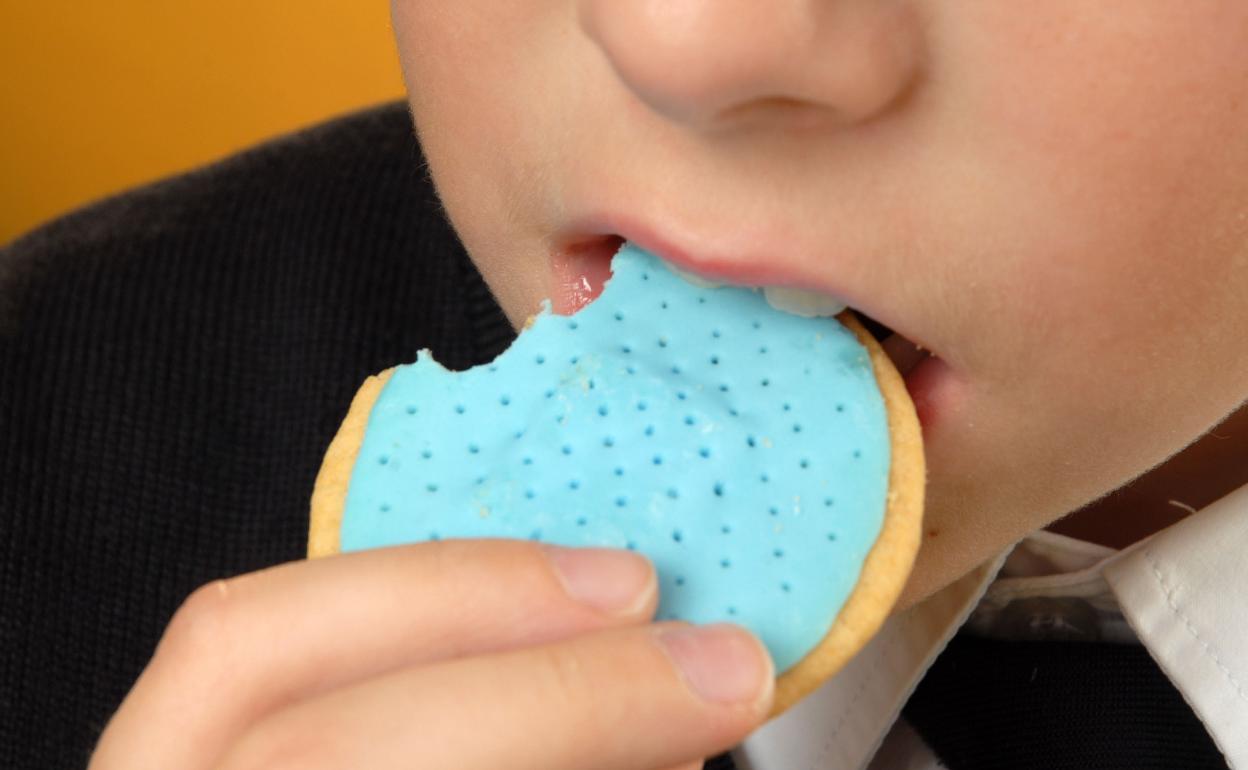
746 262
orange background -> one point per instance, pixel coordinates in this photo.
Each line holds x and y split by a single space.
100 95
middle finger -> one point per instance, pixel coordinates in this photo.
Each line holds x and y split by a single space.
266 639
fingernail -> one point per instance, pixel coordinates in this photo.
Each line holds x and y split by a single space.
721 663
606 579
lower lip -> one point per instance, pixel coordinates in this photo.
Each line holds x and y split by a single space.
932 387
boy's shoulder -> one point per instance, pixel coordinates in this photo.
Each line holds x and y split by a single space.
173 362
343 201
277 199
350 145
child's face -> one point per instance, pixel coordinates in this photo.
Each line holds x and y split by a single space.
1051 197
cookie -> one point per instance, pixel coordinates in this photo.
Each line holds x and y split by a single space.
769 464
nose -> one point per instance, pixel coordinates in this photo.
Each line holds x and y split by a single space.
711 63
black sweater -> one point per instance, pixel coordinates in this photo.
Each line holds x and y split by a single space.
174 362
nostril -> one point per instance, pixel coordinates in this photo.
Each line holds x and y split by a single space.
723 64
793 113
696 62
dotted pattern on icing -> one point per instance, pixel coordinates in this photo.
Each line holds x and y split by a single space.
743 449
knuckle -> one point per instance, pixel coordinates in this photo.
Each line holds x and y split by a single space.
593 685
278 744
207 621
561 670
600 668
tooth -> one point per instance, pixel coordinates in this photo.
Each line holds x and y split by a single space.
802 302
696 280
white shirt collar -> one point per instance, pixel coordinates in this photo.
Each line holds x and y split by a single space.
1184 591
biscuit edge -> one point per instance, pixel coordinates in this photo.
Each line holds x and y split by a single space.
887 565
329 491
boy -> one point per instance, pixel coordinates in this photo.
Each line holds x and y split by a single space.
1050 200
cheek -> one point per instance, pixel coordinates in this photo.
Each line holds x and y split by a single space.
1124 141
474 81
491 93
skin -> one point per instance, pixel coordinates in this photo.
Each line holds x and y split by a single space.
1051 197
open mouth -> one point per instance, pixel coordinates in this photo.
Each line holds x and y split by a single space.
580 271
582 268
904 354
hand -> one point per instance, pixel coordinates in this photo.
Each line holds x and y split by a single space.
455 654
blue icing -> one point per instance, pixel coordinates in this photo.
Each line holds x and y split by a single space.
743 449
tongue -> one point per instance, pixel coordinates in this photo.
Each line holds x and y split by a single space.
580 273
